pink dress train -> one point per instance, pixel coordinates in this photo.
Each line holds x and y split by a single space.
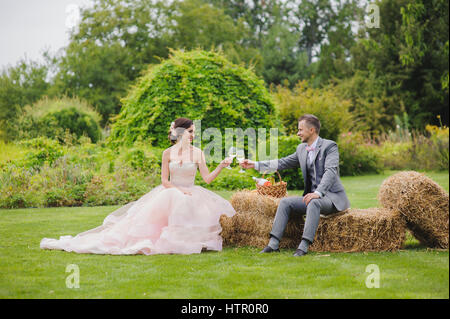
163 221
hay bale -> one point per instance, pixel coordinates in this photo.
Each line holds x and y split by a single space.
249 201
238 231
246 228
372 229
253 221
423 204
357 230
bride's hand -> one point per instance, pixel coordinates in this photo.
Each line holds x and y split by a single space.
226 162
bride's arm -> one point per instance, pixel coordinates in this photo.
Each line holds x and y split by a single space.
204 171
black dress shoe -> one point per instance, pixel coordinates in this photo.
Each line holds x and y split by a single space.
269 249
299 253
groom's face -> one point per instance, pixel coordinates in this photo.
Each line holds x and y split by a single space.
305 131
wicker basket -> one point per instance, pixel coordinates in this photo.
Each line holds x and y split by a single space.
277 190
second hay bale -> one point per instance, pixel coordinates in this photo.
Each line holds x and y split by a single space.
422 202
371 229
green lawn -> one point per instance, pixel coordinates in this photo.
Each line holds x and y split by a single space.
28 272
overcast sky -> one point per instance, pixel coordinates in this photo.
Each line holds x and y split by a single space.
28 27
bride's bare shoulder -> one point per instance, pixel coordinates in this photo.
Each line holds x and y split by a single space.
196 149
166 152
197 152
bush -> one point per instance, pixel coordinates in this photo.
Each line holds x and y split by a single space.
356 156
199 85
20 85
431 152
87 174
415 150
332 111
55 118
396 155
42 150
372 107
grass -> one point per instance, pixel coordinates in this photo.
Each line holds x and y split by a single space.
28 272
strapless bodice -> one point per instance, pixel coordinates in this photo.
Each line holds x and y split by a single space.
184 174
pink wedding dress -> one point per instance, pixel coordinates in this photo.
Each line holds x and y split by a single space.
163 221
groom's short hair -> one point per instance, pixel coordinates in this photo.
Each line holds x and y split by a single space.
311 120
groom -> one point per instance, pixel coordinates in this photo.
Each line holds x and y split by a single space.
324 193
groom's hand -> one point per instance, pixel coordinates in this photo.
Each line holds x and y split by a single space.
247 164
308 197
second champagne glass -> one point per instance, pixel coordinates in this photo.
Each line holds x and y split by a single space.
240 156
232 154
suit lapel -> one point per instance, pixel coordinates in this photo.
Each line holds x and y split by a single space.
303 155
318 146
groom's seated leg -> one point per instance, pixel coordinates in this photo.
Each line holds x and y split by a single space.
287 205
313 210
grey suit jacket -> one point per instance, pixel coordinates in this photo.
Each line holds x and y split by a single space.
326 165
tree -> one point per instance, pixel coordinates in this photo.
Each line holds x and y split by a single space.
425 32
282 60
259 15
20 85
195 24
335 51
117 40
114 42
411 75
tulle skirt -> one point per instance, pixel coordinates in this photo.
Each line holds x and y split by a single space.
163 221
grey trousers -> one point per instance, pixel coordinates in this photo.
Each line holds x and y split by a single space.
295 205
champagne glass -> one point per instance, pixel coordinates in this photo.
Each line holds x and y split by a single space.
232 154
240 156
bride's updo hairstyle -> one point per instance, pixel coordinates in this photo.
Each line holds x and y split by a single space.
177 128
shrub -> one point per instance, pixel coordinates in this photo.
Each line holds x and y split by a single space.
356 156
371 105
332 111
42 150
54 117
431 152
199 85
86 174
396 155
416 150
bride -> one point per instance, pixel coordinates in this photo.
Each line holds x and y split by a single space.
176 217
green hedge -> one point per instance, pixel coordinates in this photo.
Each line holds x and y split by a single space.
199 85
51 174
56 118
